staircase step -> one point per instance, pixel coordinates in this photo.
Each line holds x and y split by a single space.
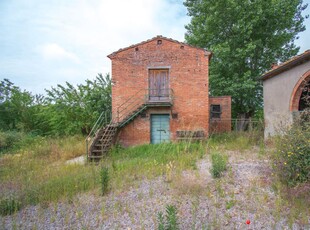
106 139
95 157
103 139
99 150
100 145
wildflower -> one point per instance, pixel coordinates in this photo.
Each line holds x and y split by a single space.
248 222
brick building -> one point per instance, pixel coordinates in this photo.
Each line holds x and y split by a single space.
160 92
220 114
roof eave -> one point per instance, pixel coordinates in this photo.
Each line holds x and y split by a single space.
298 61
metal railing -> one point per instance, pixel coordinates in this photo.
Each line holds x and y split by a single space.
104 119
141 98
228 125
128 109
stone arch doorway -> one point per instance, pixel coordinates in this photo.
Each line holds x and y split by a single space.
300 97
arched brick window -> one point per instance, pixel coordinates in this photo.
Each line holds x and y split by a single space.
304 82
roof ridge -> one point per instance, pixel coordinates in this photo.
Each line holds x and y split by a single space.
151 39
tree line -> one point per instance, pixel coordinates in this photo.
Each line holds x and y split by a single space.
246 37
64 110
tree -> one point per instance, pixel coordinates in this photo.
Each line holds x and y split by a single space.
16 107
65 110
246 37
71 110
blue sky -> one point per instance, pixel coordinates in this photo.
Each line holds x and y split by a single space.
48 42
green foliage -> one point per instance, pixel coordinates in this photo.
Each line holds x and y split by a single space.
129 165
236 140
161 221
246 37
9 205
65 109
104 180
170 220
291 160
219 164
72 110
17 107
37 172
9 139
230 204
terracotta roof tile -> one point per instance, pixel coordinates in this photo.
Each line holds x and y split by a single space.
296 60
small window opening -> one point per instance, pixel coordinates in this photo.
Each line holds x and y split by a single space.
159 42
182 47
175 116
136 49
216 111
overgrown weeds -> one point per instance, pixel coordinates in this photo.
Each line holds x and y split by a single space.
236 141
149 161
169 221
219 164
13 140
38 173
291 160
9 205
104 180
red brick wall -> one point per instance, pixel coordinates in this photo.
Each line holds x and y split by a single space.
188 74
297 91
224 123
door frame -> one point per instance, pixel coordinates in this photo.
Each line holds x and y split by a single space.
169 116
165 68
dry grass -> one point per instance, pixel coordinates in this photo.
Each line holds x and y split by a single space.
145 179
38 173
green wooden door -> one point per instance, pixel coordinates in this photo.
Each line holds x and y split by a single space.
160 128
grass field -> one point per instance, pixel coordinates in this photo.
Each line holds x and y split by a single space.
38 173
144 179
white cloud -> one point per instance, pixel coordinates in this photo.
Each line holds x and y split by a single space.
56 52
45 42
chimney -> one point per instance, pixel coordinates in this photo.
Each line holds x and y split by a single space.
274 65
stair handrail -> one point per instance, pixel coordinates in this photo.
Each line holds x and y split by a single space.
123 112
138 99
133 102
104 118
97 123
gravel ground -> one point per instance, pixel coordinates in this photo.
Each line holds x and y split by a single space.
244 192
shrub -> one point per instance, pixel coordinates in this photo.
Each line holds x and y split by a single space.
170 220
9 138
10 141
238 141
9 205
291 160
219 164
104 180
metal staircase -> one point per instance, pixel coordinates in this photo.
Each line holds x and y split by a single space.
103 134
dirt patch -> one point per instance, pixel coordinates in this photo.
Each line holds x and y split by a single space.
78 160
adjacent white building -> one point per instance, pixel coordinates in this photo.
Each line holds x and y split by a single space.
285 87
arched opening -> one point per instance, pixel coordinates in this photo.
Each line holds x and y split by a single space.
300 98
304 100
